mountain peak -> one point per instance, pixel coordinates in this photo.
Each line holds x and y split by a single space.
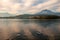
47 12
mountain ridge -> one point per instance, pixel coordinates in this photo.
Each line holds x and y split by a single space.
48 12
45 14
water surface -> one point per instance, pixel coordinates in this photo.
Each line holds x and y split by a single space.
29 29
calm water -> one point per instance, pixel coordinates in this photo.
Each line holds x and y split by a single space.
24 29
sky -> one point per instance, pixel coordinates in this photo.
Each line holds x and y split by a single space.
18 7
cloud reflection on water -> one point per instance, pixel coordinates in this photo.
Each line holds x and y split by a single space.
24 29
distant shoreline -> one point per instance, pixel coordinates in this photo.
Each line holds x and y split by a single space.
32 17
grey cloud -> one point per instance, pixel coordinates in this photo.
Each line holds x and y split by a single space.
39 2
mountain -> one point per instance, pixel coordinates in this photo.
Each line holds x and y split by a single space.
45 14
5 15
48 12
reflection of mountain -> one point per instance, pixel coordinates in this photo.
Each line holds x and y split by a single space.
45 14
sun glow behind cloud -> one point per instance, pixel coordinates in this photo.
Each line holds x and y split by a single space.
17 7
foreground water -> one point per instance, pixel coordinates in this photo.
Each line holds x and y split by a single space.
29 29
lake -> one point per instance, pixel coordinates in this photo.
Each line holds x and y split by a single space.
29 29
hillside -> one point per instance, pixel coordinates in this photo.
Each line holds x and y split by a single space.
45 14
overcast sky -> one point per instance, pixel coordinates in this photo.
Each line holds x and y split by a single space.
17 7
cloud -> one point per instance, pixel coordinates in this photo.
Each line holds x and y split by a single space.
17 7
14 8
57 8
36 2
10 7
45 5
